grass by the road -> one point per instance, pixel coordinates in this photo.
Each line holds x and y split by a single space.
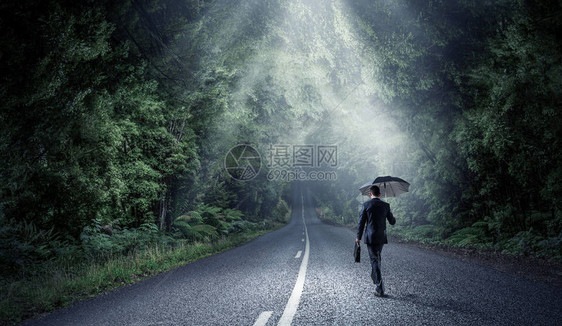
59 286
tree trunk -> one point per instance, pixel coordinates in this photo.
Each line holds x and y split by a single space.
163 211
165 218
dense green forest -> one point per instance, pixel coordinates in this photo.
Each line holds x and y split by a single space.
116 118
111 117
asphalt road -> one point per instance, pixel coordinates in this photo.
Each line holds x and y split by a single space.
268 282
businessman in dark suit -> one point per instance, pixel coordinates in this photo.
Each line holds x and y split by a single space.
374 215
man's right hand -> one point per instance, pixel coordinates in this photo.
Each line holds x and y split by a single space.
357 240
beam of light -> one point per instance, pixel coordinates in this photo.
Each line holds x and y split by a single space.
309 55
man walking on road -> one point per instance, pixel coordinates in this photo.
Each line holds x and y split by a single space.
374 214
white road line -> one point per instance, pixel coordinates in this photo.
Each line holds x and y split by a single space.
298 254
263 318
293 303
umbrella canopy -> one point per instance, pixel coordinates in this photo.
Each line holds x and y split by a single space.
390 186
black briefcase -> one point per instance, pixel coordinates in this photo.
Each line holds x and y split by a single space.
357 252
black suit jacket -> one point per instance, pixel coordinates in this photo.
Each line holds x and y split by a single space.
374 214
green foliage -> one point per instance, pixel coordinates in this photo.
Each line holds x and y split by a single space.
550 248
206 232
208 223
244 226
98 242
232 215
422 233
183 230
281 212
523 243
475 236
22 245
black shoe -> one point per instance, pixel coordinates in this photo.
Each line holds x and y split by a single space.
379 289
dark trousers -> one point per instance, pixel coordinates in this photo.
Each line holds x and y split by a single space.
375 255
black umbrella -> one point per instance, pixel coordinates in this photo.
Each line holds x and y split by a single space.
390 186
